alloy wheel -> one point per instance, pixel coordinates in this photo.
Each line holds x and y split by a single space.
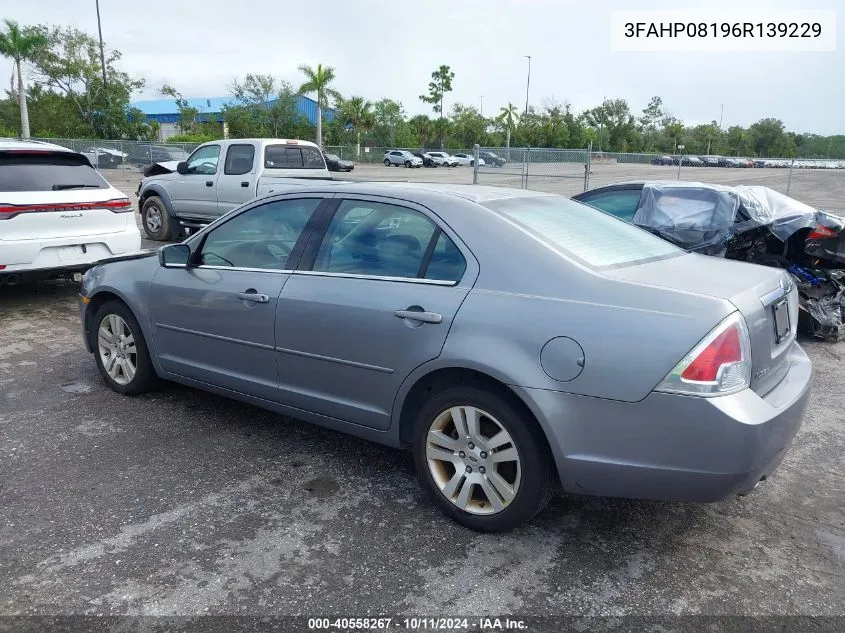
473 460
153 219
117 349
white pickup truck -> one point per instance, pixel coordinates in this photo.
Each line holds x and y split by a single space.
180 196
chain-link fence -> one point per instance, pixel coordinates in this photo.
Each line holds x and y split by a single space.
565 171
124 155
818 182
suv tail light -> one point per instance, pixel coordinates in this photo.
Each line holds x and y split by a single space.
118 205
720 364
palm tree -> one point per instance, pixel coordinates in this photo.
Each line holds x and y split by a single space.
508 116
20 45
359 113
318 80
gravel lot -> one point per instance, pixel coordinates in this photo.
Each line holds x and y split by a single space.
181 502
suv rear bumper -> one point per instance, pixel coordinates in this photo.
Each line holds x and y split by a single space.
673 447
66 253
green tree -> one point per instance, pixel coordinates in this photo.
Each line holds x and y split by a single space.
508 117
440 84
388 116
615 122
187 114
651 116
19 45
468 126
422 129
318 80
357 112
70 65
264 109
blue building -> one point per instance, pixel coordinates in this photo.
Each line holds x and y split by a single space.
167 114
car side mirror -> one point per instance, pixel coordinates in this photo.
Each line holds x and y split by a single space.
174 256
182 167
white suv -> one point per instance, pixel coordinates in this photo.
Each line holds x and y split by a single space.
401 157
58 215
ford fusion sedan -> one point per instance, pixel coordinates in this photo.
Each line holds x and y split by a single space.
487 329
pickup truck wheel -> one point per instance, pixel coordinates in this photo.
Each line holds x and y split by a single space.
156 220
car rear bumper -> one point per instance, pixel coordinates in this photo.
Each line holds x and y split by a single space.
672 447
66 253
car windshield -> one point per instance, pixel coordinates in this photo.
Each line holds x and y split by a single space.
334 157
593 237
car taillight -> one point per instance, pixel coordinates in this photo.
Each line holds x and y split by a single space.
720 364
821 232
118 205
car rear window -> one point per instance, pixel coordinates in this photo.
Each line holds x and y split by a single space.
292 157
594 238
47 172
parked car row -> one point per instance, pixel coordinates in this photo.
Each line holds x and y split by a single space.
737 162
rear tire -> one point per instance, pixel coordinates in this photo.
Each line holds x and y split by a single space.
386 163
156 220
509 479
120 350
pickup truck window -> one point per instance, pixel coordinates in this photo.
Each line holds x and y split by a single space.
292 157
204 160
239 159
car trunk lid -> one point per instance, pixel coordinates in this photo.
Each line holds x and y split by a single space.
766 297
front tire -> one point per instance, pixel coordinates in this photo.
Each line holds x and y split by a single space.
120 350
156 220
407 164
482 458
386 163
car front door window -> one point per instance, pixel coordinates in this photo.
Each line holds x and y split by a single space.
261 238
204 160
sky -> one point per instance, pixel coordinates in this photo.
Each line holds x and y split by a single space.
389 48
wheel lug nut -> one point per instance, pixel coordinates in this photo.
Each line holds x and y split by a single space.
482 470
469 469
462 454
471 446
483 454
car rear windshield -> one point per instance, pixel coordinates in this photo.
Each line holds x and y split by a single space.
47 172
593 237
293 157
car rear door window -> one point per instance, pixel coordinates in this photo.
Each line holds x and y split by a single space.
622 203
378 239
590 236
239 159
262 237
48 171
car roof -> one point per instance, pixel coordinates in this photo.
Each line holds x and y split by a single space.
7 144
474 193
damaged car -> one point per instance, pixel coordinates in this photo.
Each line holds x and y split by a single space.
747 223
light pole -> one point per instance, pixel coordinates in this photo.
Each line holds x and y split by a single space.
102 63
482 104
721 115
527 82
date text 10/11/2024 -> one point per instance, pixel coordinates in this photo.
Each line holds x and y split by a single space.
415 624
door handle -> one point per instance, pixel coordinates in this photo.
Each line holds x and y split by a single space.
416 313
244 184
252 295
209 183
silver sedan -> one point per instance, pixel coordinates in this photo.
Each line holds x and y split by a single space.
515 341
